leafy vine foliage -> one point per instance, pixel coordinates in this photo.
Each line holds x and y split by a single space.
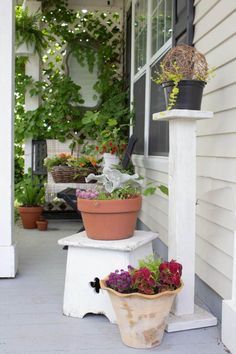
95 40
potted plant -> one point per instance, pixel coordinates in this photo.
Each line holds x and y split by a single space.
29 38
30 195
66 168
111 152
42 224
110 212
109 127
183 74
142 299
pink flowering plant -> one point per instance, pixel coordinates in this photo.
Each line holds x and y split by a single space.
89 194
153 276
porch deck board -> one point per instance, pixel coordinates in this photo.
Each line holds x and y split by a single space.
31 319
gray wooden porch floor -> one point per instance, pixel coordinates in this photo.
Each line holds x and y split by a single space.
31 319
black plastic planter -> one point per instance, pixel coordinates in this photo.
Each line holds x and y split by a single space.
189 96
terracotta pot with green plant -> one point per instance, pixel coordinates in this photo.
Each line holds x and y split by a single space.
142 299
183 75
30 195
111 211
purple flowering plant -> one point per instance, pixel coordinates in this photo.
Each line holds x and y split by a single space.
151 277
120 280
89 194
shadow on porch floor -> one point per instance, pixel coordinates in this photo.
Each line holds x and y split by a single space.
31 319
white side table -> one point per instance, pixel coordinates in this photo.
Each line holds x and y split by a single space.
88 259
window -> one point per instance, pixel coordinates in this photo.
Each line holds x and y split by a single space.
140 34
152 39
81 75
161 23
157 25
139 112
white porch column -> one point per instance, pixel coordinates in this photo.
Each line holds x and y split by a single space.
182 203
8 259
32 68
229 313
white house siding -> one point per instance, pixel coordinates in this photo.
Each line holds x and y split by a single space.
215 36
154 213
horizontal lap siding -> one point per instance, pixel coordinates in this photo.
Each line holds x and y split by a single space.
215 279
215 36
154 212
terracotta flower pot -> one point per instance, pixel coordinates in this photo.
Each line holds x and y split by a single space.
42 225
109 219
141 318
29 216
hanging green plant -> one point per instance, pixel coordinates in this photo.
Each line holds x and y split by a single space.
28 31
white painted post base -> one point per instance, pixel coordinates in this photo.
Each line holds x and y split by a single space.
182 201
200 318
88 259
8 261
229 325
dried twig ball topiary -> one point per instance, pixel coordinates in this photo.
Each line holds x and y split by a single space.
185 61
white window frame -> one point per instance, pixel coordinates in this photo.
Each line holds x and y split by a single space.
145 70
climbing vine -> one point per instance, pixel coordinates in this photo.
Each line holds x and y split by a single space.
95 39
92 38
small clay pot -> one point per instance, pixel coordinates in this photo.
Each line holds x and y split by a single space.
42 225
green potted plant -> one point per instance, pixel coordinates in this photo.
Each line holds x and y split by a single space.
66 168
28 33
111 152
142 298
110 211
183 74
30 195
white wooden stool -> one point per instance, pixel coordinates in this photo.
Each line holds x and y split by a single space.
88 259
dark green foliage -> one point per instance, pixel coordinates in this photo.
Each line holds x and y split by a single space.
151 189
19 163
27 30
93 38
30 191
58 116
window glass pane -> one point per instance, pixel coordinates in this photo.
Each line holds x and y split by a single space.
161 23
81 75
139 112
158 131
140 34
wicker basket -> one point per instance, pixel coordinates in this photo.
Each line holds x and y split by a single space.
67 174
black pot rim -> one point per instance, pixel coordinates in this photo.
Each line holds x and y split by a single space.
184 82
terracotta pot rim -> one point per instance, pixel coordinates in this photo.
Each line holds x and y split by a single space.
144 296
109 200
30 207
